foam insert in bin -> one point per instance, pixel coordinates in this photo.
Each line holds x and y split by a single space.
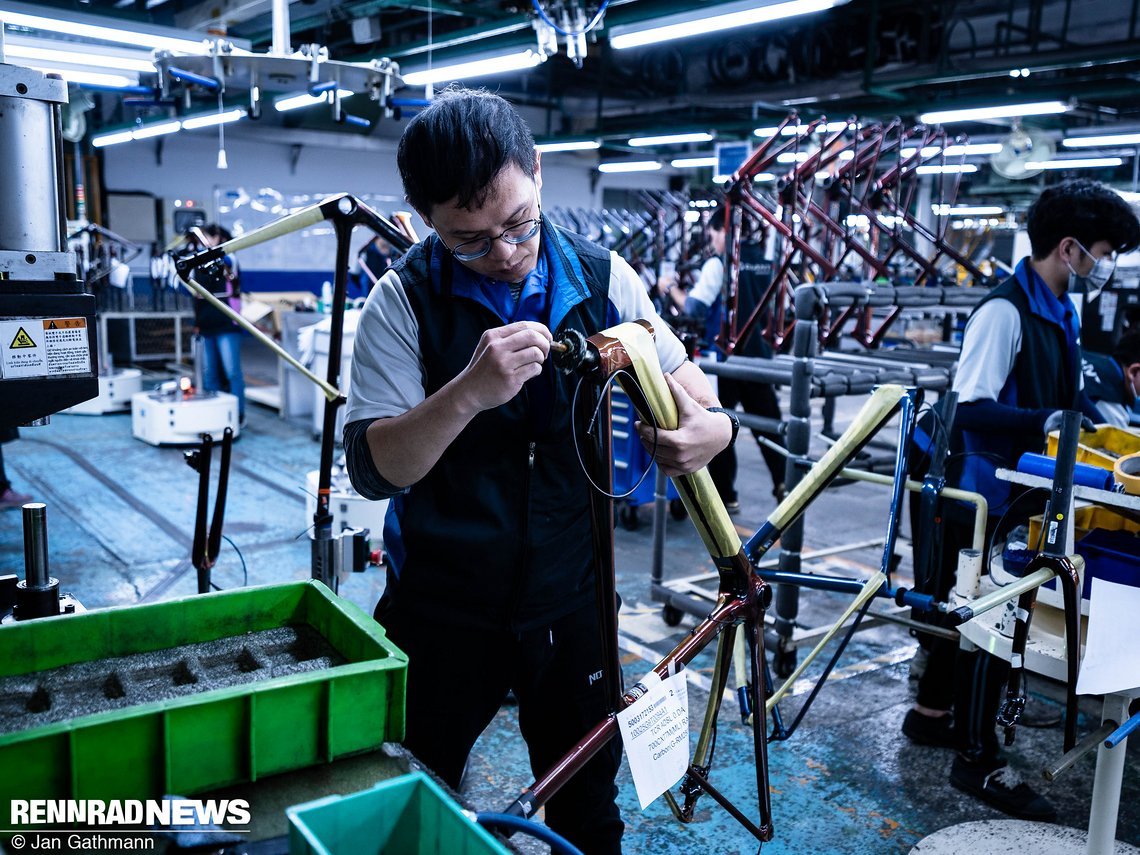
196 693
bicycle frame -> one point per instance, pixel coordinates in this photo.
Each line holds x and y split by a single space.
743 595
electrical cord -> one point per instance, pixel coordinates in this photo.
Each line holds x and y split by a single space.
571 33
992 542
244 569
557 843
593 421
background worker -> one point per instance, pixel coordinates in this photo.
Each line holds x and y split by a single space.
1111 380
704 302
220 337
1020 366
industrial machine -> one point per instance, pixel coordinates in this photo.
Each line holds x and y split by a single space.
47 320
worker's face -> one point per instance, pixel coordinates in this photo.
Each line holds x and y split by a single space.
1082 259
1132 378
716 241
512 198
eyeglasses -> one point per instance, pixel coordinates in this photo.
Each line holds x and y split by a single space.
518 233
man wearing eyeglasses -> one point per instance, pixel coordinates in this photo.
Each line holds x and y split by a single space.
457 414
1020 367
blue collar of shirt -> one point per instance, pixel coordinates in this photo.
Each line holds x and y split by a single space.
1044 303
549 292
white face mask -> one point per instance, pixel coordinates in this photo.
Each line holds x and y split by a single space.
1094 281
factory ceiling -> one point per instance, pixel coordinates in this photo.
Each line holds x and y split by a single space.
874 59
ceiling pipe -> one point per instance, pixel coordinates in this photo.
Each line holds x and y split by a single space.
281 31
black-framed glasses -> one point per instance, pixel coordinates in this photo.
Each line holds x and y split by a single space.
469 250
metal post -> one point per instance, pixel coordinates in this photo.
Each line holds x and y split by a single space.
35 545
804 344
280 11
1106 784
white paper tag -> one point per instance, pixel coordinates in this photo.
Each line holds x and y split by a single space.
655 730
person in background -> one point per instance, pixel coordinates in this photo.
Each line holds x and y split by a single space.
703 302
1111 381
456 413
220 337
1019 368
9 498
374 258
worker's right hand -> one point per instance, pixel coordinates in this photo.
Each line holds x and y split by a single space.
1053 422
505 358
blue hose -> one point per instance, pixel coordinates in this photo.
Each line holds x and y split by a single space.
593 21
555 841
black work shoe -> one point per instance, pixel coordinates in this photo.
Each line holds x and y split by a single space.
1001 787
732 506
937 731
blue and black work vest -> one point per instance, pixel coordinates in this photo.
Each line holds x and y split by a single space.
1045 377
498 534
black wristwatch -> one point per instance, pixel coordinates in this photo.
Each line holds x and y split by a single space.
732 417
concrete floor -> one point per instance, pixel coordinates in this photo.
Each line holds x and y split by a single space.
120 517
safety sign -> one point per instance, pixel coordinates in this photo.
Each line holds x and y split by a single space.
44 347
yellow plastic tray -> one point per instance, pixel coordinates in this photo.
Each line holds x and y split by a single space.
1101 448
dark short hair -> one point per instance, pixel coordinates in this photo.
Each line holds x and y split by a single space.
1085 210
456 147
1127 350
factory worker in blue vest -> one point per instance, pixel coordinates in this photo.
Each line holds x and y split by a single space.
457 415
1020 367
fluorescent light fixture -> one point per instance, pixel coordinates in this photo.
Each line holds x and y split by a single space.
792 130
296 102
764 176
91 78
700 21
956 210
1005 111
156 130
793 156
946 169
1075 163
517 61
569 145
692 216
967 150
139 38
1102 140
212 119
693 162
112 139
671 139
66 54
629 166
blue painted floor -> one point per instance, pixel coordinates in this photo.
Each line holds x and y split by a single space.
120 517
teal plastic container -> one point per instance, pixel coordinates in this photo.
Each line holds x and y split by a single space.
214 738
409 815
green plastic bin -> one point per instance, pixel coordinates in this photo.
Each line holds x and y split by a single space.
409 815
211 739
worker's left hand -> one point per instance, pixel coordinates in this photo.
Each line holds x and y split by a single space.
699 437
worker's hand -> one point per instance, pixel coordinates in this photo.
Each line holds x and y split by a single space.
699 437
505 358
1053 422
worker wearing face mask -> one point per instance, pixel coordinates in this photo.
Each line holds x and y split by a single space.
1112 379
1020 367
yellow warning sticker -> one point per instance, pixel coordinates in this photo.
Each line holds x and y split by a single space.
65 323
21 340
